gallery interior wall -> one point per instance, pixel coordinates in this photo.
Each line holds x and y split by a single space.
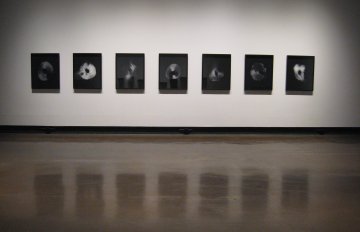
325 29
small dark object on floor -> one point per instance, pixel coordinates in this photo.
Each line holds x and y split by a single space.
185 131
48 130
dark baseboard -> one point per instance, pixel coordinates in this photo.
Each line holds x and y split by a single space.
177 130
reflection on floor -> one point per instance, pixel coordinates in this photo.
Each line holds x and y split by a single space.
49 193
130 195
89 195
254 190
214 195
172 194
294 190
261 186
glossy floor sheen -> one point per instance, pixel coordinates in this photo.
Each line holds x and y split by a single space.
179 183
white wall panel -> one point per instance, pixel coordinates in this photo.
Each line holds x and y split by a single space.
327 30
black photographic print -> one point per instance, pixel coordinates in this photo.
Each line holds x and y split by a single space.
87 70
300 73
45 71
216 71
173 71
259 72
130 71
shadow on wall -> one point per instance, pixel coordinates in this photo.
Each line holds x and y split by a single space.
347 15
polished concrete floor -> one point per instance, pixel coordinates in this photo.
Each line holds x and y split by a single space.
179 183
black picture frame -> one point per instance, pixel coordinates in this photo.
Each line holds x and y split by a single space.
300 73
130 71
45 71
259 72
216 72
173 71
87 71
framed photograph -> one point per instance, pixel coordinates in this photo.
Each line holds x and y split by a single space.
87 70
216 71
300 73
173 71
130 71
45 71
259 72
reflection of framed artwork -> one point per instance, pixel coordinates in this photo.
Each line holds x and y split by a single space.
89 195
130 71
173 71
87 70
258 72
216 72
300 73
45 71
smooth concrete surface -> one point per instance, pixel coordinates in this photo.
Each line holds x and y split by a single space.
179 183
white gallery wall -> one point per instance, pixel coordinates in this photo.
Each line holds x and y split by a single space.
327 30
